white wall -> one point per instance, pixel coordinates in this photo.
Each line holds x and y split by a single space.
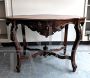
65 7
74 7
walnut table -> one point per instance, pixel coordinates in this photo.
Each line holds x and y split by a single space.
42 24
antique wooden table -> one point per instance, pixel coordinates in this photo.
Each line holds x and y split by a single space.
42 24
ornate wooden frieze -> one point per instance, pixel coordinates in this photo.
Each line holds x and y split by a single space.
43 27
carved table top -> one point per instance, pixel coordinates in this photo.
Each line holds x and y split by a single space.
44 22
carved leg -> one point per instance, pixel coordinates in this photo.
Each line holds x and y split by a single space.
24 39
77 40
17 45
65 38
18 62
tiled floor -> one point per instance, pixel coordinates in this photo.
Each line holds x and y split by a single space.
49 67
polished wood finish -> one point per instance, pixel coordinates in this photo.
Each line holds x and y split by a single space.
41 24
65 38
24 39
17 45
44 17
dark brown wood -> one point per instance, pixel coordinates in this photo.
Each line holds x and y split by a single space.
17 45
41 24
49 53
44 17
65 38
24 39
76 43
57 49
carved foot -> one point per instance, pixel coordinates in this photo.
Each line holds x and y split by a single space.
18 69
74 68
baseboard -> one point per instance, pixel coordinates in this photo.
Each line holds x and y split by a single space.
45 43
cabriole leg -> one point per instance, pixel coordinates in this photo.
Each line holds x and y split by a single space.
65 38
17 45
24 39
75 45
